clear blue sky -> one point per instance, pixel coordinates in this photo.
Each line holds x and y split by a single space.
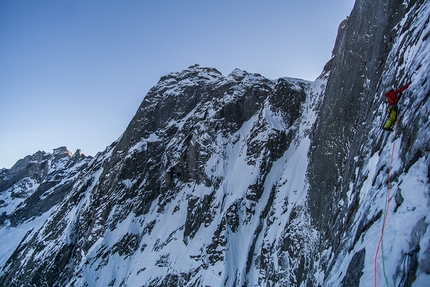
73 73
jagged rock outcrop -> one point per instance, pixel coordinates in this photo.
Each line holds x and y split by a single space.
239 180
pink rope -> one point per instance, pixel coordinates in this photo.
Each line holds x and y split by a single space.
387 206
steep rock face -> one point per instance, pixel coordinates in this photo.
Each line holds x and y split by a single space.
354 91
243 181
360 53
390 50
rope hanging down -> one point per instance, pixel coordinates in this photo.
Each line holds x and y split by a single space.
387 207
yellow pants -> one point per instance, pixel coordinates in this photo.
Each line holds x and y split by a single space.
392 117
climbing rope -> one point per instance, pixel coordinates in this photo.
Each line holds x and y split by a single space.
387 207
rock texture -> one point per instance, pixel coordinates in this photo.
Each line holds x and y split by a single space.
239 180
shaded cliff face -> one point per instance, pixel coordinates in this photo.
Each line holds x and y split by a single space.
240 180
364 40
382 45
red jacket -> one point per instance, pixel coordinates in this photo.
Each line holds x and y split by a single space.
392 95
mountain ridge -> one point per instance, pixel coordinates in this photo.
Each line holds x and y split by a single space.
239 180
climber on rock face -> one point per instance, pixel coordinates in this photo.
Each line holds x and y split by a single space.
393 97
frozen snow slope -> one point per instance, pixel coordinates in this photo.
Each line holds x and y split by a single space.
239 180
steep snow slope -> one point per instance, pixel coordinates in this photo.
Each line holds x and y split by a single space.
243 181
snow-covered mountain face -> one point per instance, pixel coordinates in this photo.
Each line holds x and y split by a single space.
240 180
